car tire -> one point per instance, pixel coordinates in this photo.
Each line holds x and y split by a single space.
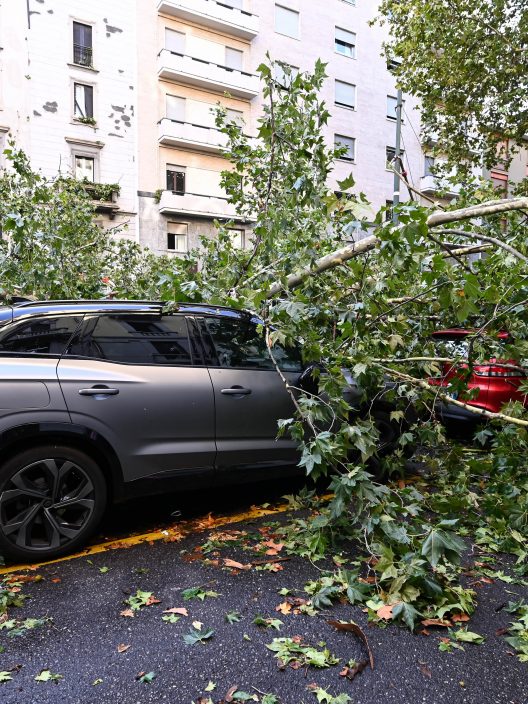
52 498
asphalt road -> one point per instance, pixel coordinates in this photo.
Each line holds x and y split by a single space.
85 604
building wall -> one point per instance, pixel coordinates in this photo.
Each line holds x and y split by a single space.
368 123
37 87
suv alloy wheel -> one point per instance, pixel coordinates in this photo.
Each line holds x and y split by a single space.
51 499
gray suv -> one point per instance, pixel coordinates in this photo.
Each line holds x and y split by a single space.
103 399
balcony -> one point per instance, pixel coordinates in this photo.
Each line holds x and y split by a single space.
430 185
214 15
174 133
204 74
193 204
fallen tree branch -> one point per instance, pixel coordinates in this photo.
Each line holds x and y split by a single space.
492 207
455 402
485 238
329 261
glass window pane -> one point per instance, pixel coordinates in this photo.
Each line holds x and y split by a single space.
174 41
348 142
286 21
85 168
234 58
42 336
177 236
176 108
239 344
235 116
136 340
345 94
82 44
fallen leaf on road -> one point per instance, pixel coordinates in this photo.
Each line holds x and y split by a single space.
424 669
181 610
229 696
459 617
385 611
273 547
350 672
284 608
152 600
23 578
127 613
198 625
122 648
424 632
441 622
356 630
56 580
236 565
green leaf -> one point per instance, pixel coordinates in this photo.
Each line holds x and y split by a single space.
407 612
440 543
468 637
233 617
194 636
210 687
147 678
5 676
47 676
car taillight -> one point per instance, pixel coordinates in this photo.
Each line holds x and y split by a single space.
492 370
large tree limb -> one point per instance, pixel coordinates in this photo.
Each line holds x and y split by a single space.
485 238
330 261
491 207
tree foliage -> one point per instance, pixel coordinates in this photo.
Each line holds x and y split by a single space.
466 62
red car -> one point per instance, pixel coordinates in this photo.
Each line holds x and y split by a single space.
496 380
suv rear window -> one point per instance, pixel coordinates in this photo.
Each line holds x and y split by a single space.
135 340
46 336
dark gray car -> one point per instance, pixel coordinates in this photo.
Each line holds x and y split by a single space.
103 399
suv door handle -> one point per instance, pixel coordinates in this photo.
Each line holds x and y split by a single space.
99 391
236 391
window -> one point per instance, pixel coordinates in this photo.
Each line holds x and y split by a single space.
429 163
390 155
82 44
177 234
176 179
345 42
392 106
82 101
500 182
174 41
84 168
135 340
41 336
236 116
234 58
175 108
286 22
388 211
345 94
350 144
238 238
239 344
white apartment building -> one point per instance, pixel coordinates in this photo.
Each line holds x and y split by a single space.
68 79
193 52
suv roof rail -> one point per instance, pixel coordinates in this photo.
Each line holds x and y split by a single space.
26 303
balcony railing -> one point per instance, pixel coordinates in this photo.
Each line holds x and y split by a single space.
176 133
214 15
82 55
213 207
431 185
205 74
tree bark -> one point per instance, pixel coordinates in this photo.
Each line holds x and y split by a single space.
492 207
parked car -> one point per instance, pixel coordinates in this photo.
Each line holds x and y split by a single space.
100 400
494 382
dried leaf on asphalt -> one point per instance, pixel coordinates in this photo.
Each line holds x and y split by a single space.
122 648
236 565
385 612
229 696
181 610
459 617
424 669
127 612
441 622
350 671
284 608
273 547
356 630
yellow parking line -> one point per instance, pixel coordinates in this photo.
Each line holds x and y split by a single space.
170 534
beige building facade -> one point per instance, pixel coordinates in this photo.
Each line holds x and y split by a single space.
194 52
